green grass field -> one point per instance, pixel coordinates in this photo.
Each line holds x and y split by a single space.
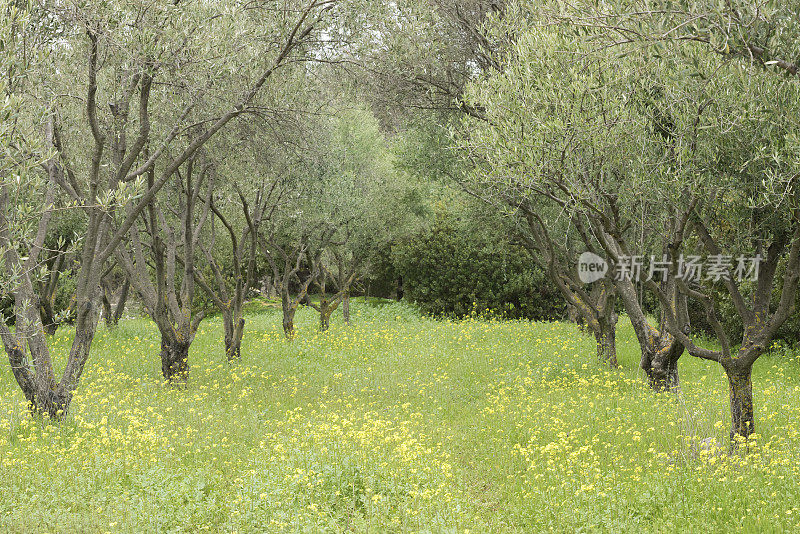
397 423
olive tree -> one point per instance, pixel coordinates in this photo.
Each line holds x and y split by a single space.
670 132
753 46
357 174
139 116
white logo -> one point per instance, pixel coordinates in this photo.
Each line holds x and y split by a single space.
591 267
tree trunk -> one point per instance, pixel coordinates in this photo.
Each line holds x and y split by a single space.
346 308
17 360
268 289
325 319
606 337
741 394
174 360
660 350
107 311
574 316
288 321
112 313
119 309
234 332
49 323
660 363
572 313
53 402
43 395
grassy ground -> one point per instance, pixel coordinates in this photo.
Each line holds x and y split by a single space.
398 423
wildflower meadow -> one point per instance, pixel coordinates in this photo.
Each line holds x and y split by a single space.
398 423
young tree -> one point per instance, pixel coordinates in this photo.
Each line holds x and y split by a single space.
558 258
172 222
23 218
229 290
354 174
293 249
337 268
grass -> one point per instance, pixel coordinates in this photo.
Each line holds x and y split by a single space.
397 424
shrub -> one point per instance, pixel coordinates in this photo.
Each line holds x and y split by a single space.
453 270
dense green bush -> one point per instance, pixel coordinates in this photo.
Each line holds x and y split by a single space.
450 269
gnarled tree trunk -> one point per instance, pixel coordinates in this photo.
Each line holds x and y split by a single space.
660 350
325 312
289 308
174 360
601 319
740 385
660 363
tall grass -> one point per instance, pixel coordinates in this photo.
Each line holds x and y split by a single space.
397 423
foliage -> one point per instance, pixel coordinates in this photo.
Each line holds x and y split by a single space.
454 269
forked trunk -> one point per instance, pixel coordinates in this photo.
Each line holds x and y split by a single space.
45 396
660 350
233 349
741 394
174 361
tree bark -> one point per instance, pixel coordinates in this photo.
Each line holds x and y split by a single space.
268 289
112 320
107 311
660 350
741 394
661 364
234 332
576 317
288 317
346 308
325 319
174 360
606 337
18 362
49 323
601 319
